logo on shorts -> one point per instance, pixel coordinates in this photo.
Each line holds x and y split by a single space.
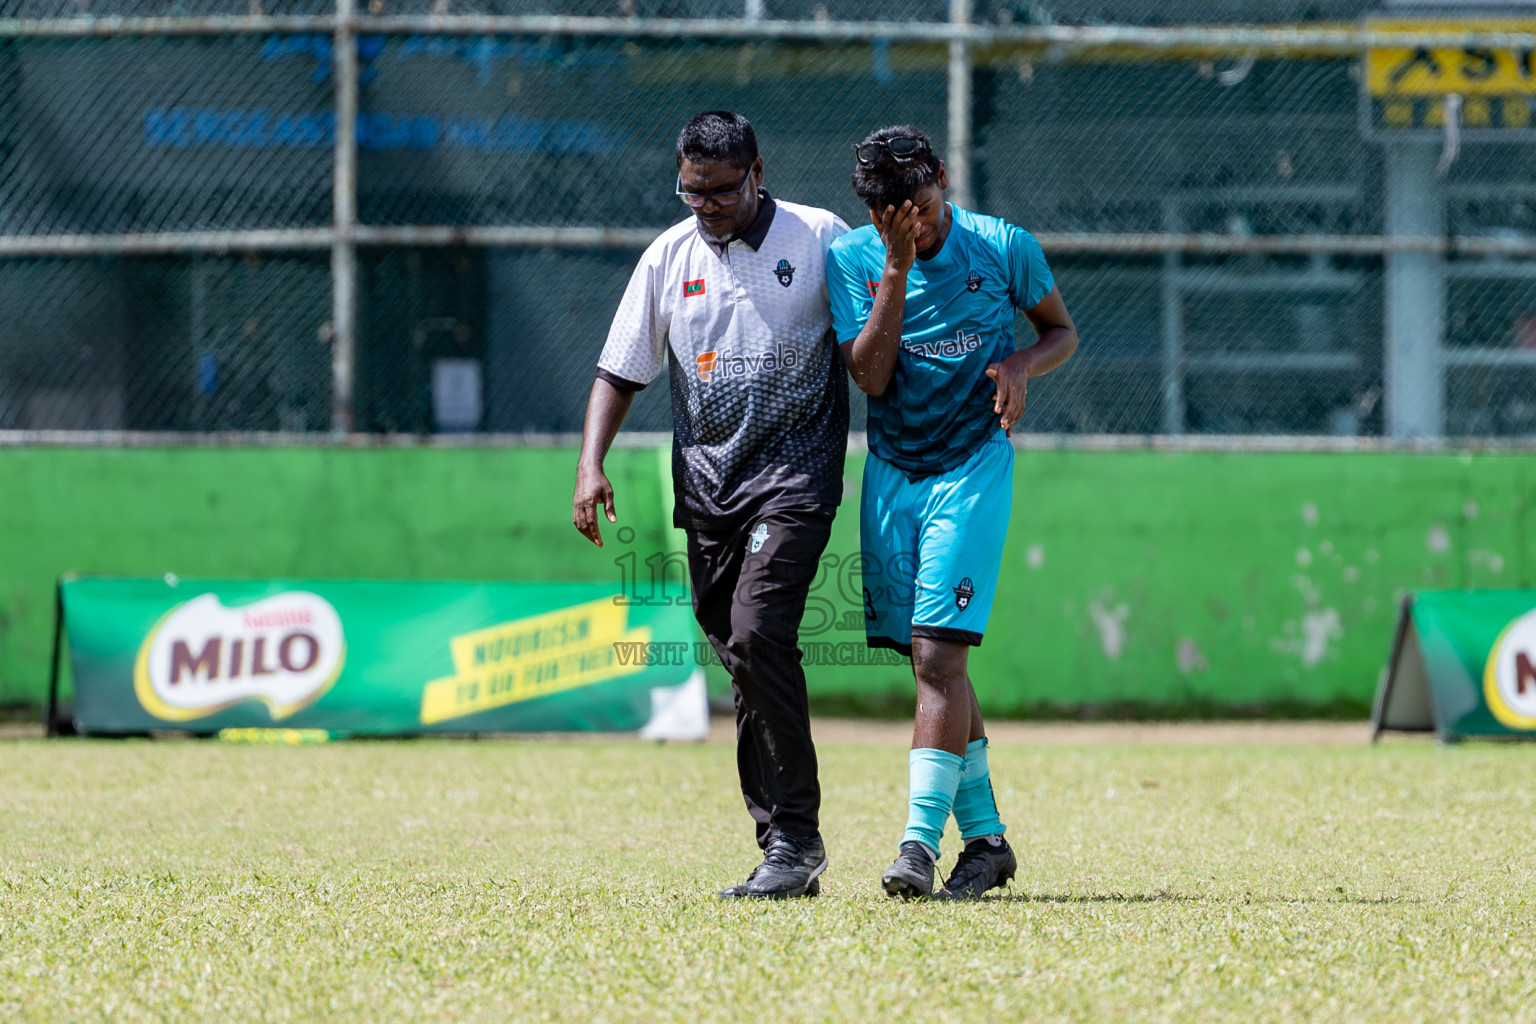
963 593
759 538
784 272
692 288
973 283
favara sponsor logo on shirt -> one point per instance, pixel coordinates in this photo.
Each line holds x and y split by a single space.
713 366
959 345
284 651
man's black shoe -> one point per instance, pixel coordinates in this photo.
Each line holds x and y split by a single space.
911 877
791 867
737 891
986 863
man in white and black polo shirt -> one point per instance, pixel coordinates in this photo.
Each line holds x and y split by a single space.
733 303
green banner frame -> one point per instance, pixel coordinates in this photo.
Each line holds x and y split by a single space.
1463 665
373 658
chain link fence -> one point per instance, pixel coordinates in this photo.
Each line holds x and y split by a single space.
1242 237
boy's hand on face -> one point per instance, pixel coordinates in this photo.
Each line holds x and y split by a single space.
1012 379
898 230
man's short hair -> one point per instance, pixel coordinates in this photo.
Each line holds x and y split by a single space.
718 135
889 181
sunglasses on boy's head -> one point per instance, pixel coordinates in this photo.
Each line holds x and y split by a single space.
902 147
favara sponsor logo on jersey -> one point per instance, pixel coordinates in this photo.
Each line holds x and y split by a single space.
1509 678
713 366
284 651
959 345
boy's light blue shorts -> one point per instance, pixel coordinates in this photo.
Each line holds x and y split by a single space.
933 547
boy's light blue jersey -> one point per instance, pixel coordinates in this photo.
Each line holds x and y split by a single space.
937 409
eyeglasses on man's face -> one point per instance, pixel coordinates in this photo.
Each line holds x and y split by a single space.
731 198
902 147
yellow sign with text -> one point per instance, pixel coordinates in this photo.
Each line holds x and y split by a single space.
533 657
1467 71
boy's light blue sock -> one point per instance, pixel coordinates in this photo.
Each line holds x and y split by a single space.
934 775
975 806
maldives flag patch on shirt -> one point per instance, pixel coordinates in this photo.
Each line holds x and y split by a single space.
693 288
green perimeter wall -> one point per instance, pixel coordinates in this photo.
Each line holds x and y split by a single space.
1133 581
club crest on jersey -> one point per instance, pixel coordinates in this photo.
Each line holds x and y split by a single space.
973 283
963 593
692 288
784 272
759 537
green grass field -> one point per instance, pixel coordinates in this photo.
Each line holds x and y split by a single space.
552 880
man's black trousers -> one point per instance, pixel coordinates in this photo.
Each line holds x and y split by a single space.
749 589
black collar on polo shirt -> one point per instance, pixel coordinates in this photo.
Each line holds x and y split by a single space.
756 231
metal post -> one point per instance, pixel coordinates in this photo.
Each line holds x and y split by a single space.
56 659
344 248
958 161
197 315
1414 296
1173 327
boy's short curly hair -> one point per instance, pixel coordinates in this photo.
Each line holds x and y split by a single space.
888 181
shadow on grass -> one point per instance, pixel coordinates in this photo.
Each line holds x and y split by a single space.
1105 897
1163 896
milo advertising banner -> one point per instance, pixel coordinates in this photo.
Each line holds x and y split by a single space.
376 658
1463 664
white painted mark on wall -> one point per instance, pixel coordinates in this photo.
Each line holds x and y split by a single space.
1035 556
1491 560
1303 557
1307 589
1438 540
1318 628
1469 508
1110 621
1309 514
1191 657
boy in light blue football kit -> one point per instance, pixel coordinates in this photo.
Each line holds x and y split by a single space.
923 305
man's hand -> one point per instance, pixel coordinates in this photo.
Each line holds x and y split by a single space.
1012 379
592 489
898 230
605 411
